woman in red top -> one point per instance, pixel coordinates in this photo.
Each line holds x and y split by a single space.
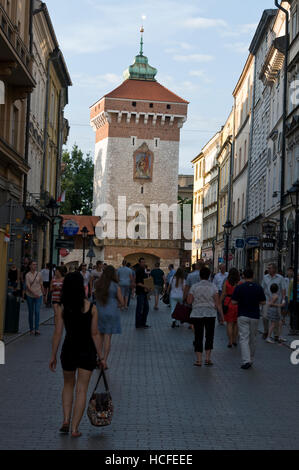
230 311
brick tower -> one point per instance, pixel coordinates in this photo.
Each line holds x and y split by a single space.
137 128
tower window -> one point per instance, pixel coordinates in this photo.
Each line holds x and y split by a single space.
134 104
156 142
133 141
151 105
168 106
142 190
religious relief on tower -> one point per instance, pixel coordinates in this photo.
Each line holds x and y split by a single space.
143 163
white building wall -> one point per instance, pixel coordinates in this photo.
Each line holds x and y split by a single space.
260 132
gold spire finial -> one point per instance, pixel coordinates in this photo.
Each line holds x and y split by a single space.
141 40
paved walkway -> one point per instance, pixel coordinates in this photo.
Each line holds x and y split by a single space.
161 400
45 314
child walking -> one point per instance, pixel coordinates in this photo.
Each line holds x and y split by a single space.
274 313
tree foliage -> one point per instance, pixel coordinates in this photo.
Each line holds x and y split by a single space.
77 182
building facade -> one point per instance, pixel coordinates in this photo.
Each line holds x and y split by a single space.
253 185
272 76
48 132
137 129
33 130
242 108
211 170
16 83
198 195
224 193
185 187
260 129
292 133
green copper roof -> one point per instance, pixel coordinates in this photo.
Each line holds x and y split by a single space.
140 70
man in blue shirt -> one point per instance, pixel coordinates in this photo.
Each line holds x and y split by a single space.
193 277
248 296
170 275
125 280
131 293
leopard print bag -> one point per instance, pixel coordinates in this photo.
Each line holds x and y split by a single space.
100 407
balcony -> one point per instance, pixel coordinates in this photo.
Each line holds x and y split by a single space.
9 156
15 59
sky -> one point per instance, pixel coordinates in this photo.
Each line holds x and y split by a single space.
199 48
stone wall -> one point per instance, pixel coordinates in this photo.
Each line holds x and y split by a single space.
114 168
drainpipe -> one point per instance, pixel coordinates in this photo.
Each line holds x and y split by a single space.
284 117
229 191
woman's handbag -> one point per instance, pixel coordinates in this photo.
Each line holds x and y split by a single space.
182 313
100 407
225 306
165 298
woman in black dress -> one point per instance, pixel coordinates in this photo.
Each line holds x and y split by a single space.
79 350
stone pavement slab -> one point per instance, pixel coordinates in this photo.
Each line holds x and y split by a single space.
45 315
161 400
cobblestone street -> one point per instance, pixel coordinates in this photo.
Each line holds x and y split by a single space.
161 400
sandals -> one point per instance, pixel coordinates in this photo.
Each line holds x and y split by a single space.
76 434
65 428
198 364
209 363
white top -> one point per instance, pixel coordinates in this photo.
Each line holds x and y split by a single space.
45 273
86 277
219 280
269 280
177 292
204 303
96 275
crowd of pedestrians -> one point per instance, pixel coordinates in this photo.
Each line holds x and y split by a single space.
89 302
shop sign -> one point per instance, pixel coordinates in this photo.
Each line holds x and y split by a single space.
240 243
253 241
70 228
268 244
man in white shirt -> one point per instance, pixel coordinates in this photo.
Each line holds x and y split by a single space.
125 280
268 280
45 274
220 278
218 283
